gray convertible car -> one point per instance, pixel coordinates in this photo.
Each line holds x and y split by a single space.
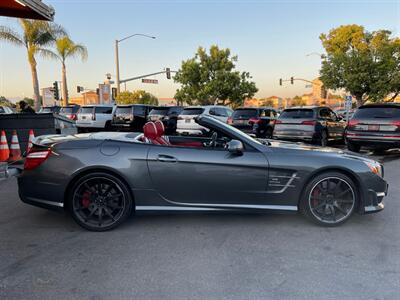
102 178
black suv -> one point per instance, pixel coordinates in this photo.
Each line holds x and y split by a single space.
316 124
374 125
168 115
259 120
131 117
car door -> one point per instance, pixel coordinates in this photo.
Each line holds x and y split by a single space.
327 122
339 124
207 176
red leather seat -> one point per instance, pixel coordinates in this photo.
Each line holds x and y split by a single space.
160 134
150 133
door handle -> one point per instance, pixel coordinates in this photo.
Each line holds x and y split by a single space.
166 158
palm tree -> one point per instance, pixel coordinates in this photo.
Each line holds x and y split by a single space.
65 48
35 36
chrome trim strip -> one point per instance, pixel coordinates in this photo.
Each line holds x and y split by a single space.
58 204
189 207
176 208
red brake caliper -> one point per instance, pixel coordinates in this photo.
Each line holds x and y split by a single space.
86 199
315 194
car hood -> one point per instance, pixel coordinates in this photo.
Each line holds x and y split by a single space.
325 151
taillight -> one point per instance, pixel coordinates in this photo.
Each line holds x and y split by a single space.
396 123
353 122
309 122
36 158
74 117
254 120
230 121
277 122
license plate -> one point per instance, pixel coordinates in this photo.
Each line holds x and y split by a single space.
373 127
187 121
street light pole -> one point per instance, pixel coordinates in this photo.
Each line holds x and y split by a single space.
117 55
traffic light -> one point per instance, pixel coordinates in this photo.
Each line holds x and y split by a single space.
98 92
168 73
324 92
280 81
79 89
291 80
55 90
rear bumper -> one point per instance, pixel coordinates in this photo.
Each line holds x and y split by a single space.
367 138
295 135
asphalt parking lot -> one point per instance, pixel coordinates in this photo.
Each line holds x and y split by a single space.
45 255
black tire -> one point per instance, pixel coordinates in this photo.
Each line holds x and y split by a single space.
100 201
353 147
268 133
323 139
329 199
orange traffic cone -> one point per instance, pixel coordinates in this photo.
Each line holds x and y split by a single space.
4 151
15 150
30 142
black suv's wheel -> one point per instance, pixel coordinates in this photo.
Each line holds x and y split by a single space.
353 147
323 141
100 202
329 199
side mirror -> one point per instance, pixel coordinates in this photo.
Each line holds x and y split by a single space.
235 147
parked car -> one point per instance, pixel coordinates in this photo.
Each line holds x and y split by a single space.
131 117
258 121
166 114
5 110
374 125
186 120
316 124
94 117
70 112
49 109
101 178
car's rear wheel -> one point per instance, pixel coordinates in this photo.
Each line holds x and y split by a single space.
329 199
100 202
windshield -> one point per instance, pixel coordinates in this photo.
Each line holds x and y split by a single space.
159 111
238 132
378 113
86 110
297 114
192 111
123 110
244 113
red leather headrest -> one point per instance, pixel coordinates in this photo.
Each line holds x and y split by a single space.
150 130
160 128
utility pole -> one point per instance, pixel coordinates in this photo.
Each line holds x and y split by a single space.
117 55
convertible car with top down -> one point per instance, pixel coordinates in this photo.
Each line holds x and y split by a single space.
102 178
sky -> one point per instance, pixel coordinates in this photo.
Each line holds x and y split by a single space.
270 38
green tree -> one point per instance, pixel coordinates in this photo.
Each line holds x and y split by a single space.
66 48
365 64
267 102
211 77
35 36
137 97
297 101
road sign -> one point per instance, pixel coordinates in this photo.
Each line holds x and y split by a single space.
349 101
153 81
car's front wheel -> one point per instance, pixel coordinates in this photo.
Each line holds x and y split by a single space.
329 199
353 147
100 202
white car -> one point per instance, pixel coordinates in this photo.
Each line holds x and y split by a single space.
5 110
187 125
97 117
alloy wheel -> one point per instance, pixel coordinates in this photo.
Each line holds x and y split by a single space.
98 202
332 200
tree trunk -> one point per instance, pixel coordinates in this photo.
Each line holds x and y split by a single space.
35 81
64 85
360 100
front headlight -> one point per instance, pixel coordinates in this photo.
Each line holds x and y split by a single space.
375 167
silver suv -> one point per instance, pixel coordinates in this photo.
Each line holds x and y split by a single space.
95 117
